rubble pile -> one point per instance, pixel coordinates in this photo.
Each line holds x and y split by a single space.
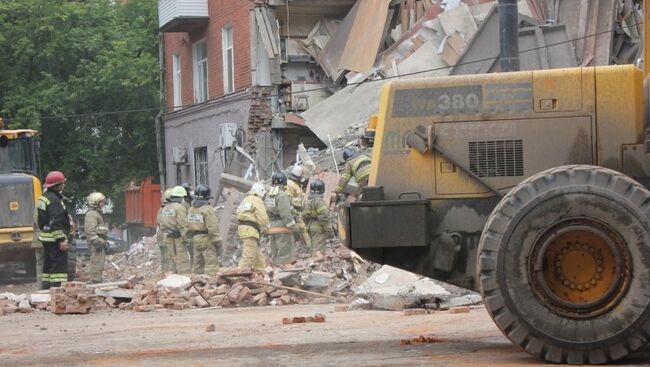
72 298
142 260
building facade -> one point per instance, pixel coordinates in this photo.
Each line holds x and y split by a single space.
237 73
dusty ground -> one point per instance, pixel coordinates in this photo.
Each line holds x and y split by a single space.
255 337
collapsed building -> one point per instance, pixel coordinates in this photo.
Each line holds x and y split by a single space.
248 81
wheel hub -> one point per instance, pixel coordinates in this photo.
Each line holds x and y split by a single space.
579 267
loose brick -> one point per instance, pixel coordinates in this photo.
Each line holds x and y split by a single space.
299 320
211 328
341 308
414 311
285 299
319 317
286 321
459 309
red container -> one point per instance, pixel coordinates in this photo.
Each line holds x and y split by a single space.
142 203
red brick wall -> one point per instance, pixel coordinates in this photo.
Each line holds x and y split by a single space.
234 13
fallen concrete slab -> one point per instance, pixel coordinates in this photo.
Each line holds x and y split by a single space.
394 289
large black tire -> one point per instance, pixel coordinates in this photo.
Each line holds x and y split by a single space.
521 279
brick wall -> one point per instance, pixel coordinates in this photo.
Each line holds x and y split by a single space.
233 13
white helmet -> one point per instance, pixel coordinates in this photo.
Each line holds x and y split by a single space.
297 171
258 189
94 199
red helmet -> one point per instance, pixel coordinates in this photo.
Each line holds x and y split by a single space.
54 178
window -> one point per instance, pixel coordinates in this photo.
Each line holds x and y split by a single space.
176 69
200 55
228 60
201 166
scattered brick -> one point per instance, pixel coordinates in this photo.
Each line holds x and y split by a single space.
319 317
341 308
414 311
459 309
422 339
211 328
286 321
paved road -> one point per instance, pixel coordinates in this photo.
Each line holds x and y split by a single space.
255 337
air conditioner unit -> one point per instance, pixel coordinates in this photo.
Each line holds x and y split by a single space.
227 132
179 155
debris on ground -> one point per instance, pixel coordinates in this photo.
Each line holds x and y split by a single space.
319 317
422 339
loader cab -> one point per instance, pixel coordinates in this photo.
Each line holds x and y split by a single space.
19 152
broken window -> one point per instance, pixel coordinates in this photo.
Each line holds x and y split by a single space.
200 55
201 166
176 70
228 60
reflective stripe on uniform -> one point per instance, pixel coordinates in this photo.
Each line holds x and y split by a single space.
45 277
273 230
58 277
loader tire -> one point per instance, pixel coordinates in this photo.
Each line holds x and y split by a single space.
564 264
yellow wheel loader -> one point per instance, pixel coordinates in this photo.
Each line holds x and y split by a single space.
529 186
19 190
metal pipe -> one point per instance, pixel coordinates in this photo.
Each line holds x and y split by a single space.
508 35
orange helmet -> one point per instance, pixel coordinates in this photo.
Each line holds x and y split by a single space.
54 178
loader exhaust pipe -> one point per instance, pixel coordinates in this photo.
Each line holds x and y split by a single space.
508 35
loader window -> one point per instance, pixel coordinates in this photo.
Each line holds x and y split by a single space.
18 156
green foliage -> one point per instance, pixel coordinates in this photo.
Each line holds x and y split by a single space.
82 59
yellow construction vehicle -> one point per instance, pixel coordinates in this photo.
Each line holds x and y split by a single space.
19 190
529 186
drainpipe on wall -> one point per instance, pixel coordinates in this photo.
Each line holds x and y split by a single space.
160 149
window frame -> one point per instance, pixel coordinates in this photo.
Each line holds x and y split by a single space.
177 90
228 68
197 65
201 166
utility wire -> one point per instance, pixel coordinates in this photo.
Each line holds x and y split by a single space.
241 99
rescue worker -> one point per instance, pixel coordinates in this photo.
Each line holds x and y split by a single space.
173 223
297 196
283 226
253 222
317 217
96 235
203 232
54 225
165 261
357 165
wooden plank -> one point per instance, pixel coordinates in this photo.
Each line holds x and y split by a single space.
590 41
264 35
542 52
331 55
363 42
582 30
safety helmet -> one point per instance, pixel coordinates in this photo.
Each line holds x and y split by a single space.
179 192
187 187
258 189
54 178
349 153
279 178
317 186
296 173
95 198
202 192
167 195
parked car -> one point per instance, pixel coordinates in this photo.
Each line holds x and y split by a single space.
115 245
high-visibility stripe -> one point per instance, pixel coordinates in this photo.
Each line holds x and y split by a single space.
59 277
273 230
45 277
